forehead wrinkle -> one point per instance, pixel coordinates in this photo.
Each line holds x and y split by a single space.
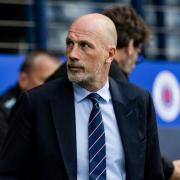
84 32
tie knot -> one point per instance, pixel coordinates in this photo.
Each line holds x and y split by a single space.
94 97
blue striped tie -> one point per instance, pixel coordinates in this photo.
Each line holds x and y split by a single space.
96 142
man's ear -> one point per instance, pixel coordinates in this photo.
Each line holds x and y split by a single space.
111 55
23 80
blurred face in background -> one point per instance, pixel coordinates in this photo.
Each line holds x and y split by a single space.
132 59
43 66
127 57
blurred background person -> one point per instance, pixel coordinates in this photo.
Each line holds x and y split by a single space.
132 34
36 68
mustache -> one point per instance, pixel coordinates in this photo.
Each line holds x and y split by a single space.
75 65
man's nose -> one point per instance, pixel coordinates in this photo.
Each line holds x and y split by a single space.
74 53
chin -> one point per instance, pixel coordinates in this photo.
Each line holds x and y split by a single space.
79 79
75 78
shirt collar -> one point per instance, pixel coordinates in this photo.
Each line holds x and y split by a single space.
80 93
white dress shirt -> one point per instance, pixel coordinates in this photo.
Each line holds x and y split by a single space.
115 161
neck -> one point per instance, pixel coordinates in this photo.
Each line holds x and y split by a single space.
121 58
93 86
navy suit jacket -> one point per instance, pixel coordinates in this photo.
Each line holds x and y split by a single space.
41 142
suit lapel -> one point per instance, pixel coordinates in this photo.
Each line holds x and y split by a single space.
63 113
126 115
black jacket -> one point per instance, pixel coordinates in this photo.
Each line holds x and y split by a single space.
7 101
41 142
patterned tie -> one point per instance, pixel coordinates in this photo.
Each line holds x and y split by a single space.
96 142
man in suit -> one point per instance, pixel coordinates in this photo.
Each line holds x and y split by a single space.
55 132
132 33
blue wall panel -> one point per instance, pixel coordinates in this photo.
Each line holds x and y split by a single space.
9 70
164 78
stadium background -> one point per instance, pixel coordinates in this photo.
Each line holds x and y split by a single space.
30 24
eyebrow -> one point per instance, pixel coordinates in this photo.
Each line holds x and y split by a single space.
80 41
68 39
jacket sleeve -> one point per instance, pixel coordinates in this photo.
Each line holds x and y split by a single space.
167 167
16 152
3 124
153 167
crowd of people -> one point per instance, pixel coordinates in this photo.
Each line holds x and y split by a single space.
87 121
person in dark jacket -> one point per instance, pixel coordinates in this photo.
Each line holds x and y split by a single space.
51 129
37 66
132 34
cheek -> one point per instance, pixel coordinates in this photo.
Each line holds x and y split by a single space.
96 65
86 53
92 60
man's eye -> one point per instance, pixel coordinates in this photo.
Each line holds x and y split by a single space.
69 43
84 45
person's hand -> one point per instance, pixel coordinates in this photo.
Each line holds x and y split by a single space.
176 173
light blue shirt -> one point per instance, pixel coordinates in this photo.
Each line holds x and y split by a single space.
115 161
